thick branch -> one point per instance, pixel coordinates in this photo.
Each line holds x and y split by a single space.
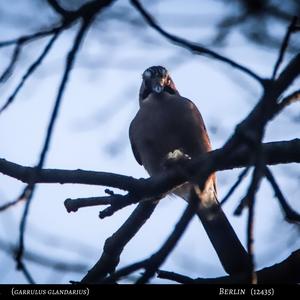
152 264
283 152
156 260
115 244
250 130
274 153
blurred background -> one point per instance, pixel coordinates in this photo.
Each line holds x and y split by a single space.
100 101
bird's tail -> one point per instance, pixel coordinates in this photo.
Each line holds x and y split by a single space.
230 250
227 245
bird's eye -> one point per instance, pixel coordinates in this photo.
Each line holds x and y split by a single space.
147 74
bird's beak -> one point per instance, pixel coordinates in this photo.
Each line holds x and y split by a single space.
157 86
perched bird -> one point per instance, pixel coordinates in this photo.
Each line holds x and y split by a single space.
169 127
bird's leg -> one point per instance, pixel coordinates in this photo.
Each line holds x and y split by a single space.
176 159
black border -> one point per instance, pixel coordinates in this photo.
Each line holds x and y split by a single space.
152 290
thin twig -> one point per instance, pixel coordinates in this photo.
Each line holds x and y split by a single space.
30 71
239 209
9 69
24 195
20 252
124 272
59 9
9 204
250 236
86 11
195 48
255 181
284 46
236 184
45 260
249 200
26 273
253 188
117 202
69 63
290 214
30 37
292 98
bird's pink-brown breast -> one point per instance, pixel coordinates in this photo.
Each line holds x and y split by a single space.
164 123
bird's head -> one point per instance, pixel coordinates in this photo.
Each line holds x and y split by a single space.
156 79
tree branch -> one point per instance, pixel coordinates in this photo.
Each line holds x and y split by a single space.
248 133
290 214
30 37
27 274
152 264
252 127
283 152
275 153
284 46
285 272
292 98
115 244
61 266
236 184
253 188
30 70
174 277
69 64
59 9
9 69
195 48
87 10
156 260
